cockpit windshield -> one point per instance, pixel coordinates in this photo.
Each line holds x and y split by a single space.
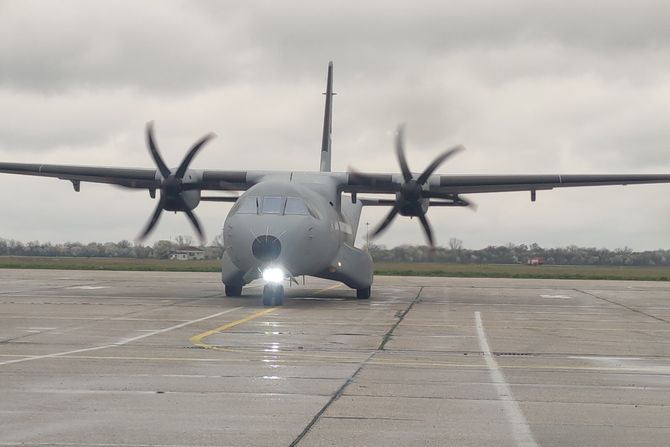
289 206
295 206
272 205
247 205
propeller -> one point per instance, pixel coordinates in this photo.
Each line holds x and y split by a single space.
412 199
174 193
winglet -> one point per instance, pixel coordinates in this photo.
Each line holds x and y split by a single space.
327 122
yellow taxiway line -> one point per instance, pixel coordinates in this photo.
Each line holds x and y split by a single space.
327 289
197 340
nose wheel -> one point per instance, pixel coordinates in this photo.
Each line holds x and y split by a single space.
273 295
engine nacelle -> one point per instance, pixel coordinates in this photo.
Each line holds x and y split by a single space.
189 198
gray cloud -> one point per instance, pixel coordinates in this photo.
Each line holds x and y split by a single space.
528 87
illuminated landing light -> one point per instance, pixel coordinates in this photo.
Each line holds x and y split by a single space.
273 274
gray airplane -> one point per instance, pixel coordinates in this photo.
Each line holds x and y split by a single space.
286 224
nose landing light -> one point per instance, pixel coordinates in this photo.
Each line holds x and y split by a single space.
273 275
266 248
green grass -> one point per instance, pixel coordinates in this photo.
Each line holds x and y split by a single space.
116 264
386 269
525 271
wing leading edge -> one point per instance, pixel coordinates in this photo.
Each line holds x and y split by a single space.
216 180
475 184
129 177
458 184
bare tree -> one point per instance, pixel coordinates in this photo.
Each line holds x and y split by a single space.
183 241
218 241
455 244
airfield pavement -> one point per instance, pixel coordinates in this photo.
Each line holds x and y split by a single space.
164 359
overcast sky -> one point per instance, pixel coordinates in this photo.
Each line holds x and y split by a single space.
529 87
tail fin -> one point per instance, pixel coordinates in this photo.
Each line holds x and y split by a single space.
327 122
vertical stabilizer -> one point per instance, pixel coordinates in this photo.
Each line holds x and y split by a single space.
327 122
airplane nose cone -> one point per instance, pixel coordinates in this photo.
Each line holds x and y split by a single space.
266 248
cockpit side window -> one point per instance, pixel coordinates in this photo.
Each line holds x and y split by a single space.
248 205
272 205
295 206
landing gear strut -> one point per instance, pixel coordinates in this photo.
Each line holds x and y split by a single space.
273 295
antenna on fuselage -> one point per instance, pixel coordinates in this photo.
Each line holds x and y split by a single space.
327 122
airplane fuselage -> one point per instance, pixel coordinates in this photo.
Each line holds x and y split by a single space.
299 223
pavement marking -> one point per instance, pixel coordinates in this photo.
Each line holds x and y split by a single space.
328 288
89 287
118 343
519 425
562 297
197 340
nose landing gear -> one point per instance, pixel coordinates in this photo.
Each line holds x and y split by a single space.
273 295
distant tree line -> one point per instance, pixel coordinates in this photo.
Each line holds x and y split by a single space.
122 249
519 254
453 253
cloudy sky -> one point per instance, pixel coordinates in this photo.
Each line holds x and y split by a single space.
527 86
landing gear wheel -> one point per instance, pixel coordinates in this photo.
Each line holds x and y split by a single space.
233 289
273 295
363 294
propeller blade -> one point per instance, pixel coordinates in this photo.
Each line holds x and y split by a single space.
400 153
192 153
195 222
437 162
162 167
387 221
427 229
154 219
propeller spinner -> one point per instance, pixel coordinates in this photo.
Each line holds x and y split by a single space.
172 186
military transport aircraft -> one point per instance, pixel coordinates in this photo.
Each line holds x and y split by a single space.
286 223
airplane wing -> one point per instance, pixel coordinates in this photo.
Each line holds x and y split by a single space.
130 177
415 194
457 184
469 184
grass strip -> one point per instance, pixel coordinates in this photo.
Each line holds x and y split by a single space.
634 273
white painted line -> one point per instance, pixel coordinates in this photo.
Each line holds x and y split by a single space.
119 343
563 297
89 287
519 425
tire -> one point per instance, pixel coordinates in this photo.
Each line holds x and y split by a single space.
279 296
267 296
273 295
233 289
363 294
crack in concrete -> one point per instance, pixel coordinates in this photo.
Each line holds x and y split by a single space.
350 379
632 309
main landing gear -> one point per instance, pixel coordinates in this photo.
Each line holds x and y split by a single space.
273 295
233 290
363 294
